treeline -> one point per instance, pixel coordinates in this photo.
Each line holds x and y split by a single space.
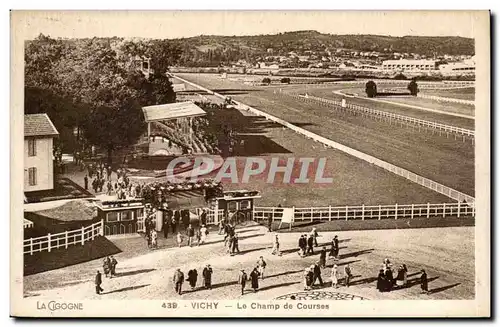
95 88
214 50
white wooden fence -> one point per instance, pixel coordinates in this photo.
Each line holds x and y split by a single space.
363 212
65 239
385 115
445 99
426 182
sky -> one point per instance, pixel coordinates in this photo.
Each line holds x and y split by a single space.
176 24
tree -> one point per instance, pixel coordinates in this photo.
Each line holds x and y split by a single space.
371 89
285 80
413 87
266 80
113 128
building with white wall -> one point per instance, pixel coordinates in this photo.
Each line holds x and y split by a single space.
39 134
409 65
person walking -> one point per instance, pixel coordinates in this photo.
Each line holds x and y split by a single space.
179 239
221 227
207 277
190 234
106 266
242 280
322 257
302 245
317 274
154 239
192 278
261 264
400 277
424 282
334 276
86 182
389 279
276 245
178 280
315 235
334 251
166 223
310 245
348 275
270 223
98 282
381 282
203 217
113 264
254 276
235 248
203 234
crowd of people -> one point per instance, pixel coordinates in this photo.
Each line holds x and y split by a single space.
100 178
387 279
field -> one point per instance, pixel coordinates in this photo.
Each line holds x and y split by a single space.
446 254
462 93
327 93
442 159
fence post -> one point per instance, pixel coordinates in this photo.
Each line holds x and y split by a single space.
312 216
458 209
31 246
379 212
49 242
412 206
329 213
428 209
473 209
396 211
363 212
346 211
83 235
101 230
444 209
66 239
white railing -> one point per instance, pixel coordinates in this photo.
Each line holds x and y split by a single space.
384 114
394 211
426 182
445 99
64 239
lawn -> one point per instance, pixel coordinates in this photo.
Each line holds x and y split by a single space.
462 93
411 112
445 160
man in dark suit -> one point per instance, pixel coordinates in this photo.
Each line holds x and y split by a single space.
98 282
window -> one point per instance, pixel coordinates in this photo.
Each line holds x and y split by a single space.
32 176
112 216
31 147
138 213
126 215
245 204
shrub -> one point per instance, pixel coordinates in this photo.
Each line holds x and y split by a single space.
266 80
285 80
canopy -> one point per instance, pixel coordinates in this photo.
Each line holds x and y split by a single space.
27 223
172 111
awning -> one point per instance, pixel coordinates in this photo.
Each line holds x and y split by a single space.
27 223
186 200
172 111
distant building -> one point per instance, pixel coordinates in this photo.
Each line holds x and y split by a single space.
39 134
409 65
458 68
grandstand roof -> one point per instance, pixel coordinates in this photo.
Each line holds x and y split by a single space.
172 111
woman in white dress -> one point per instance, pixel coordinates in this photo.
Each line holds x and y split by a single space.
335 276
203 236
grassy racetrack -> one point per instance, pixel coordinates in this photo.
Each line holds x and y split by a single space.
447 161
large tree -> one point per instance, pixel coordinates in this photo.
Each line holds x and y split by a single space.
413 87
371 89
98 89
